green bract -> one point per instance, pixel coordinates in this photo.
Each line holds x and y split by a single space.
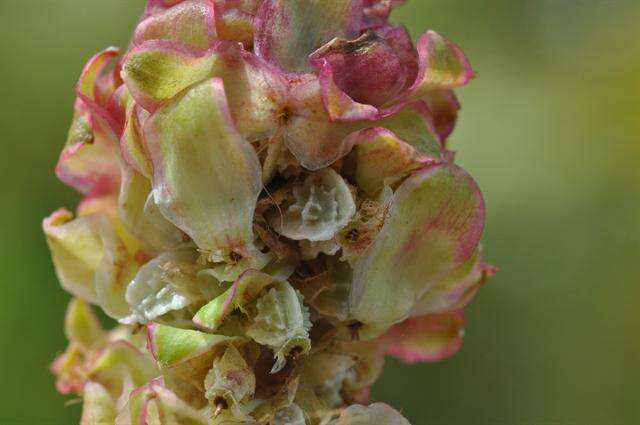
269 209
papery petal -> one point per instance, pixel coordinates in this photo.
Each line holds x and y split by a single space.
92 261
434 225
443 65
413 123
328 292
89 160
256 92
117 104
322 205
280 389
89 79
156 71
98 406
154 6
280 269
368 368
141 216
130 335
444 107
360 364
188 362
119 362
455 290
338 104
361 232
285 251
374 414
132 145
191 22
383 159
316 141
88 343
375 69
170 345
244 290
68 370
98 205
164 284
398 37
248 81
281 322
230 271
154 404
230 385
277 317
97 91
290 415
325 372
235 20
82 325
367 69
428 338
375 12
206 176
117 268
307 129
134 410
280 24
77 252
310 250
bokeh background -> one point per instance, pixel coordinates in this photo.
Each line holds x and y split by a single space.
551 131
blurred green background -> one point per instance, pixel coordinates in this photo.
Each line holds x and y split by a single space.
550 129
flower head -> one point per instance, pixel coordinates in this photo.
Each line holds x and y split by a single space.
269 209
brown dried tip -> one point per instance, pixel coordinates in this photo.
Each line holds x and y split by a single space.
234 257
295 352
221 404
355 330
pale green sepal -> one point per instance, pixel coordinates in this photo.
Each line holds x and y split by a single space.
120 364
206 176
76 250
163 285
244 290
281 322
383 159
433 226
374 414
82 326
140 214
154 404
171 345
230 385
290 415
92 260
98 407
155 74
229 271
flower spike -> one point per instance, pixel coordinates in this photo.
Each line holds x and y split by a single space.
269 210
